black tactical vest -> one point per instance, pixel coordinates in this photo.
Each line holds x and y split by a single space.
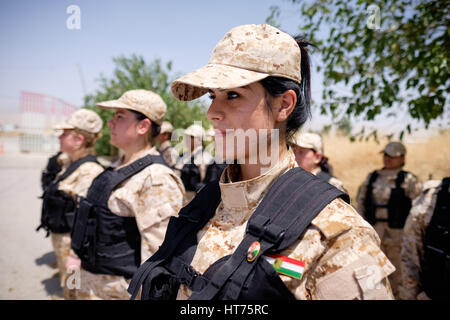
58 207
105 242
398 205
280 220
435 265
325 176
51 171
190 175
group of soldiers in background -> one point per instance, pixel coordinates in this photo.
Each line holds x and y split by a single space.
411 219
166 224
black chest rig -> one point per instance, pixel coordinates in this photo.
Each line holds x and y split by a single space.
58 207
51 171
398 205
324 176
190 175
435 275
105 242
280 219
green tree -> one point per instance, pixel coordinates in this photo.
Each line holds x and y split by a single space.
134 73
390 55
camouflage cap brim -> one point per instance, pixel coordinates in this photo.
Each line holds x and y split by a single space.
213 76
62 126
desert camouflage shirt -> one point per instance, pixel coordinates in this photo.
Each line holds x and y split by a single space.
413 236
169 153
79 181
152 196
341 251
382 190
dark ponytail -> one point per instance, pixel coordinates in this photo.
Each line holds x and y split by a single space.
276 86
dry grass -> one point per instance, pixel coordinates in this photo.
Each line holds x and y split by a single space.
353 161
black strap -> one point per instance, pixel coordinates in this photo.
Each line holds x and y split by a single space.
400 178
190 219
74 166
276 224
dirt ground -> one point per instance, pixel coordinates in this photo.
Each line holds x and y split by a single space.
26 256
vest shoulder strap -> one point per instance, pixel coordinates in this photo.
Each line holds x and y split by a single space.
283 215
324 176
74 166
190 219
400 178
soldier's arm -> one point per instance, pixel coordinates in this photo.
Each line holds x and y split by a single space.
160 198
361 196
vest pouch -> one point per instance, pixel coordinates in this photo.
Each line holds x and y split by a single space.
262 284
398 208
79 228
160 285
54 211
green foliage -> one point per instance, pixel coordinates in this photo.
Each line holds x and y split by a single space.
134 73
386 53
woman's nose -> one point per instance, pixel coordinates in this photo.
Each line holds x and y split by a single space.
214 112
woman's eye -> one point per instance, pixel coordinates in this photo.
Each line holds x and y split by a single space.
232 95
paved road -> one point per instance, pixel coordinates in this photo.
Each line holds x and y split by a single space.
25 255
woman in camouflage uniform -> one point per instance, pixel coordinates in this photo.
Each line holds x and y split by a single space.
384 200
259 82
142 203
308 150
81 130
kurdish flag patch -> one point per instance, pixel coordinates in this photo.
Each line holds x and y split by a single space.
285 265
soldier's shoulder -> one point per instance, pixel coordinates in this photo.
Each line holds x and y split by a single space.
336 218
431 184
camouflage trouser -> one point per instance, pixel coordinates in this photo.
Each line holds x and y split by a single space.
102 287
61 246
391 245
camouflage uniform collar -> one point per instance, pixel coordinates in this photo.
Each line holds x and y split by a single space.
246 195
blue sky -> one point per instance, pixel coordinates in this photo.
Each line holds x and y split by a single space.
39 53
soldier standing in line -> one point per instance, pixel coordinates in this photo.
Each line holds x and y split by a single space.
308 150
167 151
194 163
266 230
425 255
384 200
78 169
124 216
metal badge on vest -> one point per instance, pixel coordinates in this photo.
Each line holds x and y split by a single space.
280 220
58 207
105 242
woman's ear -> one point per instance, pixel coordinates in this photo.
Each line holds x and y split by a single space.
287 102
144 126
317 157
79 139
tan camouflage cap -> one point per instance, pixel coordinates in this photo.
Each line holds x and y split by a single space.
394 149
195 130
83 119
146 102
166 126
246 54
308 140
